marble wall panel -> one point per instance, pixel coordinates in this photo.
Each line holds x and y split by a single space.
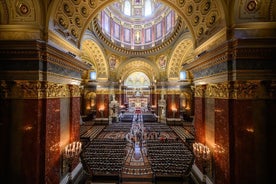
21 144
65 121
199 122
75 118
221 148
52 140
244 157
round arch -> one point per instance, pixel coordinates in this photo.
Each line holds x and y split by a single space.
137 64
203 18
182 53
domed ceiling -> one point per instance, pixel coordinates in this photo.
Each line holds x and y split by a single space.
137 26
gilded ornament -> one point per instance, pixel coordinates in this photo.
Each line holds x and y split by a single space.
84 11
181 3
73 32
92 3
200 31
67 10
190 9
76 2
196 20
23 9
211 19
78 21
200 91
205 7
62 22
251 5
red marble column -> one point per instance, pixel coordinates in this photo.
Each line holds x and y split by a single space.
221 154
75 119
52 140
21 143
169 105
199 122
251 126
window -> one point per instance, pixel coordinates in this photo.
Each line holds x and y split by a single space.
127 8
93 75
148 9
183 75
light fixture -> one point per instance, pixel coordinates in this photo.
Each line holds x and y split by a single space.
201 150
71 151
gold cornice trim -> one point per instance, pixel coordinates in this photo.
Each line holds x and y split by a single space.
59 42
255 25
63 79
239 90
20 32
60 58
37 90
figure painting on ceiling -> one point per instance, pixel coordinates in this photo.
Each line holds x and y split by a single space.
112 62
163 61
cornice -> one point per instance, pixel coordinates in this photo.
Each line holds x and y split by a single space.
210 58
20 89
239 90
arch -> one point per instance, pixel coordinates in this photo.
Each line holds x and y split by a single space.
92 53
194 13
182 53
137 79
137 65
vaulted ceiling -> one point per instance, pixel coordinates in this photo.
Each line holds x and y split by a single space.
68 25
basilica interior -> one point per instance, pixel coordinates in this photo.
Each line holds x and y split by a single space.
137 91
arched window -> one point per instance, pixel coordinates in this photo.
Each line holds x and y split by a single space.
93 75
183 75
148 9
127 8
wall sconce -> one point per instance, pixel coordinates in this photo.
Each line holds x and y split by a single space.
174 110
101 109
71 151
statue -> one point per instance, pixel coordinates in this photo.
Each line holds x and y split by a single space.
113 109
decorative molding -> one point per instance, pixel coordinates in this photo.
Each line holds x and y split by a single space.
238 90
142 52
200 91
220 90
37 90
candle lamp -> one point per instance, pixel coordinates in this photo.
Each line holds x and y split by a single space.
71 151
202 152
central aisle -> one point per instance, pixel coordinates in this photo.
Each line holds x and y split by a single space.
136 167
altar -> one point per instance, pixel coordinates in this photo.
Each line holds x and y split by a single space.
138 104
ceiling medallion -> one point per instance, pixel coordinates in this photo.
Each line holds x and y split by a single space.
23 8
251 6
